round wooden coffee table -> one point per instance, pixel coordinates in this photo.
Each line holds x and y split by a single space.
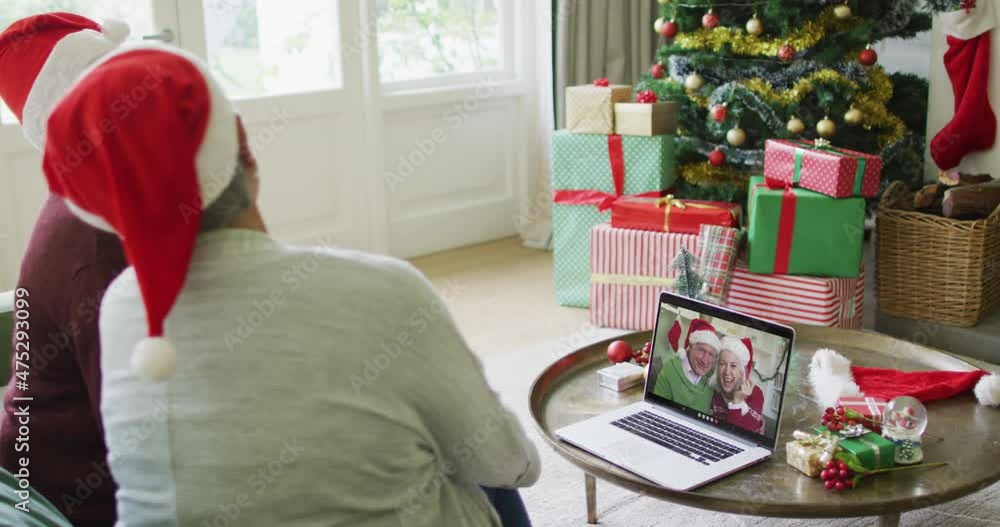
962 433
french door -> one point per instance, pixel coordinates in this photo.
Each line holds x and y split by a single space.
395 126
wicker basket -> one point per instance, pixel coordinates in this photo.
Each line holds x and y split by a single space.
934 268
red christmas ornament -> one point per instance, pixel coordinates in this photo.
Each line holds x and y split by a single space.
669 29
868 56
646 97
602 82
786 53
657 71
719 113
619 351
717 158
710 20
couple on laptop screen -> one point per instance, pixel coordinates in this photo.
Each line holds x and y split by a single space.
708 366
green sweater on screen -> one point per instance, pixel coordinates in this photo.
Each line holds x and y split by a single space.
672 384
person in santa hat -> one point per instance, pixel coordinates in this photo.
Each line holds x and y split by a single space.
322 386
737 401
684 377
67 266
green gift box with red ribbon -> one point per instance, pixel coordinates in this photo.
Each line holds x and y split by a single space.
836 172
589 174
800 232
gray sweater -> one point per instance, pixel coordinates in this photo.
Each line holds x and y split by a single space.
313 387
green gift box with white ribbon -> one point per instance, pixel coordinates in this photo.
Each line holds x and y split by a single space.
589 173
822 167
874 451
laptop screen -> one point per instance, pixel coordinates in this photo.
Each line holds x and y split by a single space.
724 368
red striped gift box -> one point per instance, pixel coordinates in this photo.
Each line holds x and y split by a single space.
628 270
830 302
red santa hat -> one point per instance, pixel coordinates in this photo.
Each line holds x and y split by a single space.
42 56
742 348
140 146
833 376
699 332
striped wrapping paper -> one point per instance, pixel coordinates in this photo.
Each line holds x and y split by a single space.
830 302
628 269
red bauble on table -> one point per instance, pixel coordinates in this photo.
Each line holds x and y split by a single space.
619 351
786 53
717 158
602 82
719 113
868 56
657 71
669 29
710 20
646 97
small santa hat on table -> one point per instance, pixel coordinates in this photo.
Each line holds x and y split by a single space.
145 169
833 376
42 56
742 348
699 332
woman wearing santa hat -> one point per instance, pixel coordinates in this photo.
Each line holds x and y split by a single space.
737 401
240 371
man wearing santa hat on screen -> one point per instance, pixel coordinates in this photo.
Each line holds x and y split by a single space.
684 377
241 371
737 401
66 268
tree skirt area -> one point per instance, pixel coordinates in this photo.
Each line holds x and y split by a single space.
558 497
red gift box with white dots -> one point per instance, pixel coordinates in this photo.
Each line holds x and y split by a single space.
832 173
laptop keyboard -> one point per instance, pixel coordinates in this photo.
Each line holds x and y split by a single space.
677 437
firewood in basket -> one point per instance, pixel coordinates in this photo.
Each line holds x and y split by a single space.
972 201
929 196
956 179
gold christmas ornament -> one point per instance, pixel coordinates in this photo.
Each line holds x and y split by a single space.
736 136
694 82
658 25
842 11
796 126
754 26
706 174
854 116
826 128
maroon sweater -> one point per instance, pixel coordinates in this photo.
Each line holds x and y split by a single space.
66 269
753 420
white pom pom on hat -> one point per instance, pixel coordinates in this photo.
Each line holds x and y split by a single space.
154 359
115 30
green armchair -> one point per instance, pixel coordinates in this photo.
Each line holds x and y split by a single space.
6 333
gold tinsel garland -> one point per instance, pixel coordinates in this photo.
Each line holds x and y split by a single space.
704 173
743 43
871 102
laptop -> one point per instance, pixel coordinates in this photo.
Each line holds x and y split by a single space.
674 437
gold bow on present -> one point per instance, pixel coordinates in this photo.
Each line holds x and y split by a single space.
669 202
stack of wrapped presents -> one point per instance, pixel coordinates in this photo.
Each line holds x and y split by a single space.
617 228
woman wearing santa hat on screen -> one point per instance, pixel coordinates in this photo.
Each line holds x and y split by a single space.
737 401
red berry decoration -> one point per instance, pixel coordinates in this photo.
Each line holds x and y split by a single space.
602 82
657 71
710 20
868 56
719 113
669 29
837 476
619 351
717 158
786 53
641 357
646 97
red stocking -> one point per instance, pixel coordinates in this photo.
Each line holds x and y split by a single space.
974 126
967 61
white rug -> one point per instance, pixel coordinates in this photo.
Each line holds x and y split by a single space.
558 498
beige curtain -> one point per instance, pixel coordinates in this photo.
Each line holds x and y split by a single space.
602 38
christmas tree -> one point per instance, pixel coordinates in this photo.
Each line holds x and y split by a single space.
751 70
688 283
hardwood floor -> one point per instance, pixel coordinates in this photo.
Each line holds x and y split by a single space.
504 295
